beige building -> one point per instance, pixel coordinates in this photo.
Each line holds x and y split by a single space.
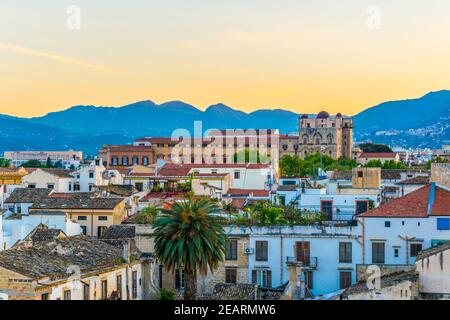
329 135
93 213
365 157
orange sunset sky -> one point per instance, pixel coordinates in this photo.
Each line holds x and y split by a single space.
304 56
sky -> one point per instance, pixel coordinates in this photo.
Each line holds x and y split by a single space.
299 55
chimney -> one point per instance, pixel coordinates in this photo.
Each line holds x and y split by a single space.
127 251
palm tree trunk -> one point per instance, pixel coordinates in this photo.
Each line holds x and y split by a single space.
190 286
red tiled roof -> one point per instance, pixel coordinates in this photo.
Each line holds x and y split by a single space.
414 205
416 180
255 193
230 165
377 155
129 148
174 170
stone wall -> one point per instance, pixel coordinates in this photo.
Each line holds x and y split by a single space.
440 173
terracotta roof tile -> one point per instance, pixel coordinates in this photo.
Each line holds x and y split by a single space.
414 205
377 155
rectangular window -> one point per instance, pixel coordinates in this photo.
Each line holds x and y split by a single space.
378 252
387 224
396 253
326 207
84 230
86 292
415 248
91 174
32 186
179 279
443 223
104 289
45 296
345 252
262 278
237 174
67 295
303 252
134 284
70 186
115 161
50 186
103 218
230 275
76 187
261 251
231 250
362 206
309 281
82 218
101 231
345 279
119 286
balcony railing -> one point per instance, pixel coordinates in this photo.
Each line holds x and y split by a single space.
311 264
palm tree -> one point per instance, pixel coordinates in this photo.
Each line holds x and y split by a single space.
188 236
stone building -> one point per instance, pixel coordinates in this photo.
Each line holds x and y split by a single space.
330 135
48 265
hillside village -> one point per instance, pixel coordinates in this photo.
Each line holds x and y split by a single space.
306 216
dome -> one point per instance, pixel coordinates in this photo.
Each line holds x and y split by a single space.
305 116
339 115
323 115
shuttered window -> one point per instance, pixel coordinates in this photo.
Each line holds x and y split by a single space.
261 251
345 279
230 275
231 250
378 252
345 252
262 278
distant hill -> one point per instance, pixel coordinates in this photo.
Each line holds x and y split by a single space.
409 123
422 122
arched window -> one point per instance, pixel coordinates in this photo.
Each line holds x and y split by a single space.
124 160
115 161
135 160
317 141
145 161
330 139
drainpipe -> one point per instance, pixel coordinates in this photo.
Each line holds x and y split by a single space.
363 241
281 259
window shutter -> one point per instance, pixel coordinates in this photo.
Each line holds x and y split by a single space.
254 280
269 279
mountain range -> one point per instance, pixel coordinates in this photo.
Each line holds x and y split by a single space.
421 122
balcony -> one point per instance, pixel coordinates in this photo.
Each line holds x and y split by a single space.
309 265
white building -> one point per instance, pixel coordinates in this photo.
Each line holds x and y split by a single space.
326 256
87 177
433 266
66 158
53 179
243 176
17 227
21 199
397 231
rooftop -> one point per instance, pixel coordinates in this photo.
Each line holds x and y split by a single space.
81 200
416 180
245 192
50 256
386 281
27 195
433 250
414 205
377 155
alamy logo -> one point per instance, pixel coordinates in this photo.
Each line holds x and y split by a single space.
373 17
374 278
74 18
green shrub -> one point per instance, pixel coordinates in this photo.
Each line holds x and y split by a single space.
165 294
